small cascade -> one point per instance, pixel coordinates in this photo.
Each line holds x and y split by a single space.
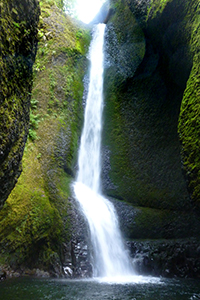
110 256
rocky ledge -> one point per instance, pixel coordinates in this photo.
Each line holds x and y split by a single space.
167 258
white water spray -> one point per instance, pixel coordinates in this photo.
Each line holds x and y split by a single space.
110 257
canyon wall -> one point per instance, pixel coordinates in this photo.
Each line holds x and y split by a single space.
18 38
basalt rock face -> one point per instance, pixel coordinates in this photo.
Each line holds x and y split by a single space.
77 252
18 38
167 258
150 52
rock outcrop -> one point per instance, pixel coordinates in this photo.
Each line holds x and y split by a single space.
167 258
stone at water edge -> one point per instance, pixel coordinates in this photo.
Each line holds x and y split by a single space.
2 274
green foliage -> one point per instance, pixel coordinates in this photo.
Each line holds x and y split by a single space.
34 103
39 156
16 24
34 121
79 34
58 3
32 134
38 67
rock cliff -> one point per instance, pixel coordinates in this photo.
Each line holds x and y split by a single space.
151 50
150 139
35 220
18 38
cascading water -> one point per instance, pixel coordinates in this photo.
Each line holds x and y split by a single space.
110 257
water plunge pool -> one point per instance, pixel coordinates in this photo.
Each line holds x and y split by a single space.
63 289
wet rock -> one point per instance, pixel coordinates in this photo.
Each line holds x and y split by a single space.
41 273
2 274
167 258
77 252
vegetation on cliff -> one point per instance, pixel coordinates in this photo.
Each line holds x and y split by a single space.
18 41
34 220
189 126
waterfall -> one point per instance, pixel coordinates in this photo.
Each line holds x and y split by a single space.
110 257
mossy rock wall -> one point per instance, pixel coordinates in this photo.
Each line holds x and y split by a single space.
189 126
142 152
18 38
35 220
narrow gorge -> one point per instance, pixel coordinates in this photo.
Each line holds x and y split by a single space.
150 141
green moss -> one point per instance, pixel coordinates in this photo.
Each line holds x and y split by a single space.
49 3
28 217
35 218
18 46
157 6
189 126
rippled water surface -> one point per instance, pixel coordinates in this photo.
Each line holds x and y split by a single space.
39 289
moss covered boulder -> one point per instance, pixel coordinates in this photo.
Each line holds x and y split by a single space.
18 38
